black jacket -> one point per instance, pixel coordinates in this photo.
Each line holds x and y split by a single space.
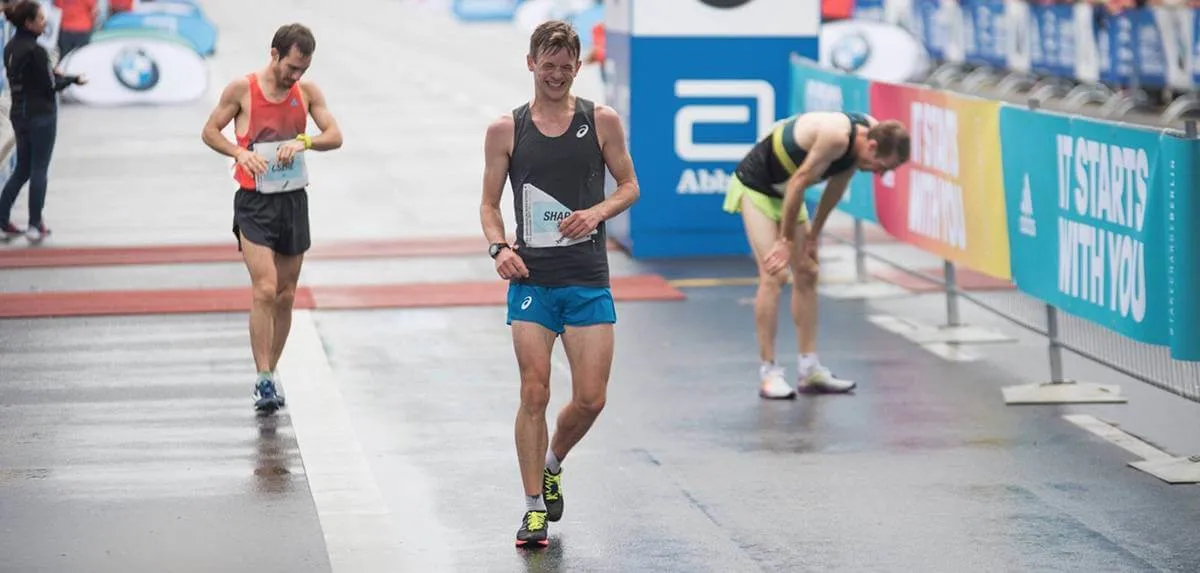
32 82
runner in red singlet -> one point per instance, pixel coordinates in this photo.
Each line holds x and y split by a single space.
270 208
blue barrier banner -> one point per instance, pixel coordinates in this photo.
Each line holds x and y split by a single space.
816 89
1054 39
1150 57
925 16
1087 204
1183 240
870 10
989 33
195 30
485 10
1121 49
970 31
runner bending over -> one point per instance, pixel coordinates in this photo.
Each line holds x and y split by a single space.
768 189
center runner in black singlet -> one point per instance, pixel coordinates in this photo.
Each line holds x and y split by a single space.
554 151
768 189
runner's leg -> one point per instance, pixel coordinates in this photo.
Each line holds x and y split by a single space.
762 231
811 375
287 268
264 281
533 344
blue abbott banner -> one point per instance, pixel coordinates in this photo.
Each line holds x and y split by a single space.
816 89
1089 205
698 82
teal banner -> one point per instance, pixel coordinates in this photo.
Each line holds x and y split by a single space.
1092 211
817 89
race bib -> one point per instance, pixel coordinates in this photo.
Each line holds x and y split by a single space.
543 213
279 178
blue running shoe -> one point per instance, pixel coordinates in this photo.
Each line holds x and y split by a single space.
265 398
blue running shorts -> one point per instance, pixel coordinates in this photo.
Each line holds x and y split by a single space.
559 307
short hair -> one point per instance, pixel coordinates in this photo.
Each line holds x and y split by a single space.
890 136
297 35
554 35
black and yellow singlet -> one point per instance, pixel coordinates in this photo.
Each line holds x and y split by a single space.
776 157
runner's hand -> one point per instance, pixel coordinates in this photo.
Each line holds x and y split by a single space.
289 150
579 223
777 258
509 264
251 162
810 247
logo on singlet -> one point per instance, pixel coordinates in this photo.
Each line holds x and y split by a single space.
582 131
725 3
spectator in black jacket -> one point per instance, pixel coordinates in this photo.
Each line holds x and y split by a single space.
34 86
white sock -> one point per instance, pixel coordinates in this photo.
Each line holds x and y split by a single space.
807 363
535 503
552 462
764 368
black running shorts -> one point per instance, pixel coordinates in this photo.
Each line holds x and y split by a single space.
275 220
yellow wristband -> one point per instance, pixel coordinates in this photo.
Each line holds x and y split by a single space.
306 139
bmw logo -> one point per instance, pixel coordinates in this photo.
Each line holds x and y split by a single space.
725 3
135 69
850 52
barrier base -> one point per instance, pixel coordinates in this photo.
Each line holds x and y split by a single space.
1064 392
925 334
1172 470
952 352
853 290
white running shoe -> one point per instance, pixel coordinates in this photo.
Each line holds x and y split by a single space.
774 385
821 381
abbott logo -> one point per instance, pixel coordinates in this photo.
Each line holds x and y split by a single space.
689 115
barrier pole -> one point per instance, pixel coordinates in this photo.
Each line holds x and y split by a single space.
860 253
951 276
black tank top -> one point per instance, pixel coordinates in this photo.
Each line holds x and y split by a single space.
763 171
550 178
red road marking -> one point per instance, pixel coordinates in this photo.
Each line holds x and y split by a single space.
47 257
135 302
967 279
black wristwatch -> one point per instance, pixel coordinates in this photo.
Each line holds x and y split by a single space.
495 248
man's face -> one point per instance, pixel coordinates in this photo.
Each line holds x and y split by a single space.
870 160
554 74
290 68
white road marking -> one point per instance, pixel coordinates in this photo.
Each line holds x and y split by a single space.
361 533
1117 436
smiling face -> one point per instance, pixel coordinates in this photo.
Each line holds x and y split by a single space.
554 59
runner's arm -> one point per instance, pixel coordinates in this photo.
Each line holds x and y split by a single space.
834 189
331 134
618 161
824 150
495 170
227 109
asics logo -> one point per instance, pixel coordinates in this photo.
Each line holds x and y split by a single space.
525 303
582 132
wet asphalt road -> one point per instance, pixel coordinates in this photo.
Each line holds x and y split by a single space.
128 444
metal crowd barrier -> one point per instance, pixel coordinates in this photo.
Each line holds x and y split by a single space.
1038 199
